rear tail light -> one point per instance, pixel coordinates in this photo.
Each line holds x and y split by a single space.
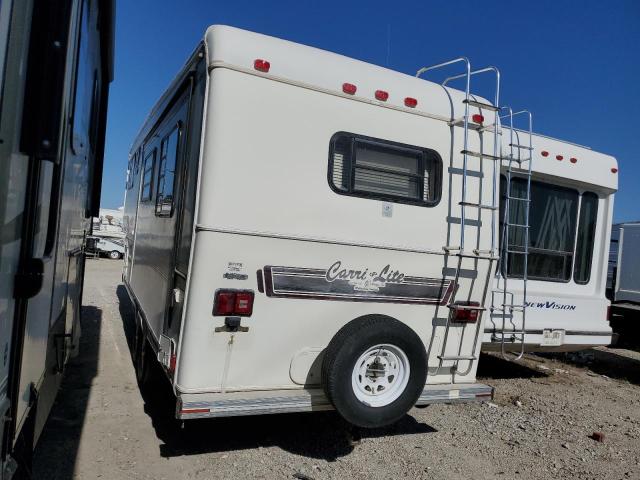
233 302
465 312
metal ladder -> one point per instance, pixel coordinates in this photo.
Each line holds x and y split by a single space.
503 305
459 251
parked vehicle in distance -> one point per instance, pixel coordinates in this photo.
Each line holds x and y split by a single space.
563 250
56 63
106 247
623 281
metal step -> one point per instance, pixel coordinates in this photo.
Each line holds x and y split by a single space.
525 147
459 122
477 205
478 251
465 307
480 257
474 103
457 357
480 155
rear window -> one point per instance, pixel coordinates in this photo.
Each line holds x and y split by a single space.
383 170
586 237
552 229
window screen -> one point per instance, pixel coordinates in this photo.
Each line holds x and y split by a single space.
586 236
147 176
552 220
373 168
167 173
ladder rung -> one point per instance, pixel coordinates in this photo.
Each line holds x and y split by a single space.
478 256
477 205
519 252
457 357
509 310
478 251
518 225
475 103
479 155
515 145
450 248
454 306
459 122
509 332
518 198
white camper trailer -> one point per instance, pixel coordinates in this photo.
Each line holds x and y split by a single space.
306 231
55 69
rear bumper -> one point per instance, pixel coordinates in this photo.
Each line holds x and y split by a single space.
207 405
573 340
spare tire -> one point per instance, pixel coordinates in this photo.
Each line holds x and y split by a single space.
374 370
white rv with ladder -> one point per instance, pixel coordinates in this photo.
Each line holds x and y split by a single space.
305 231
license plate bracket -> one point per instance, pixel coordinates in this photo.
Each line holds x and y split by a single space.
552 337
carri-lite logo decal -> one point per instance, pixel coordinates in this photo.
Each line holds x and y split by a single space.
362 279
551 305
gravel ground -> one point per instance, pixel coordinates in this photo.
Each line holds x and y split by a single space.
538 426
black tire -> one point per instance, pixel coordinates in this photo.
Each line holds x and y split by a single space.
115 255
143 356
345 349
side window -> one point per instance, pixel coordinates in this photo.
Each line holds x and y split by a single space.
552 229
167 172
586 237
379 169
147 176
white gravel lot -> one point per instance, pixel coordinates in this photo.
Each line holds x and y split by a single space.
538 426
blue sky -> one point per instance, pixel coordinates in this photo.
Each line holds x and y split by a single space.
575 65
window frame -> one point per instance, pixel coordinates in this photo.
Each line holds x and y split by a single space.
593 240
153 155
426 155
580 193
162 168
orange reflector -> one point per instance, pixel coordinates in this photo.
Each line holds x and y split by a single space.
410 102
261 65
349 88
382 95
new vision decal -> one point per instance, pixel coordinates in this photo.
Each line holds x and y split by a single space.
364 283
551 305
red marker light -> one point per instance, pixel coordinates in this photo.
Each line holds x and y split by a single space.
614 170
559 157
477 118
544 153
573 159
349 88
382 95
261 65
410 102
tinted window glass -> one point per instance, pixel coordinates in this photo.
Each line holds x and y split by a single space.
586 236
552 220
147 176
167 173
379 169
